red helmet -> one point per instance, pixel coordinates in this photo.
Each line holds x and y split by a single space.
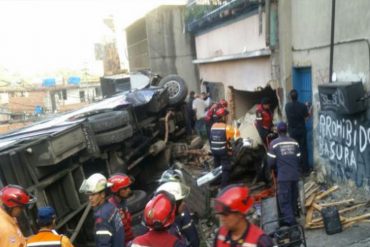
15 196
119 181
221 112
233 199
223 103
160 211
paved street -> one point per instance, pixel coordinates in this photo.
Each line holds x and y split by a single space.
356 236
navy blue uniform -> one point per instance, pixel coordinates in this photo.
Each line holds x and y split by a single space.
187 228
109 230
220 150
284 157
297 113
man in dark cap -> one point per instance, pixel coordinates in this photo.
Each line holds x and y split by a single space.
47 236
284 158
264 119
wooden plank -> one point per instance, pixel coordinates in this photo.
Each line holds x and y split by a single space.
329 204
356 218
308 186
309 193
327 192
310 200
309 215
344 210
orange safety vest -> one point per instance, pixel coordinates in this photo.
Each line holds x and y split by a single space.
250 240
48 238
11 235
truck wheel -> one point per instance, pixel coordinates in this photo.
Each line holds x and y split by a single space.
114 136
176 88
108 120
137 201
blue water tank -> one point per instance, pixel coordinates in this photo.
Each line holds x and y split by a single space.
74 80
48 82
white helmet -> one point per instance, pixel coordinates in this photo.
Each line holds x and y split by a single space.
94 184
177 189
171 175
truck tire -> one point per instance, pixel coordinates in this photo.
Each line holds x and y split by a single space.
114 136
137 201
108 120
176 88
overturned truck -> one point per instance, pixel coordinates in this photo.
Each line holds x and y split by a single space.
127 132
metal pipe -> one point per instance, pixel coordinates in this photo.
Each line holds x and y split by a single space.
332 28
267 20
80 222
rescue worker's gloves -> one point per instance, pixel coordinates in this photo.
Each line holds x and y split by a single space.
234 198
159 212
172 175
94 184
16 196
179 190
120 181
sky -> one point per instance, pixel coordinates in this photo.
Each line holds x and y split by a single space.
37 36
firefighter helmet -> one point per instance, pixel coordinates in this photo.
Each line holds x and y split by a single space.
171 175
159 212
94 184
16 196
221 112
233 199
223 103
120 181
177 189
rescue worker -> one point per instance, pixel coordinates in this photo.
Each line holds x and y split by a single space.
232 205
184 221
108 225
121 191
14 199
47 236
159 215
297 113
211 116
220 137
264 119
283 157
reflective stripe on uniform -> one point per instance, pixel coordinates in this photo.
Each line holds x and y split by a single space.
104 232
139 245
298 154
285 143
249 245
187 225
216 148
45 243
271 155
215 142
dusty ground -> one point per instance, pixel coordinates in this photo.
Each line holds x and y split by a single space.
356 236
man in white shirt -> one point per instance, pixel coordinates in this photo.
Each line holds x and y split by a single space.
199 106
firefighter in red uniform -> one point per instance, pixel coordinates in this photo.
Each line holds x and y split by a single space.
232 205
14 199
264 119
211 116
159 215
220 136
121 191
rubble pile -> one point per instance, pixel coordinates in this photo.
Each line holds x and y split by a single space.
317 198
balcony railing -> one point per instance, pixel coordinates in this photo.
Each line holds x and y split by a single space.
202 14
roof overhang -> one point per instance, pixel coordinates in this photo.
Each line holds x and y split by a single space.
244 55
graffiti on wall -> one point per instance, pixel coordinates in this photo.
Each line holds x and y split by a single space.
345 143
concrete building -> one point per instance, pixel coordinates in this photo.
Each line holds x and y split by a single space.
341 138
158 42
235 48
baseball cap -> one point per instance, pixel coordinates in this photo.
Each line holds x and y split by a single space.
45 215
282 127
